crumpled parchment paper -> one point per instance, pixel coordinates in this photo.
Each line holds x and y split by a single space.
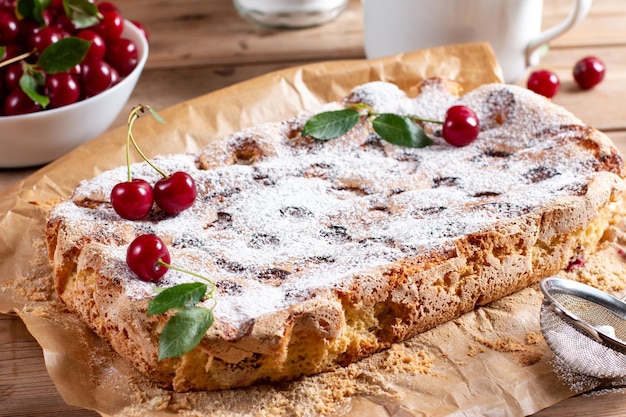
492 361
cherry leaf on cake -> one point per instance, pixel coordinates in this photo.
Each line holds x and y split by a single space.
177 297
331 124
400 130
183 331
397 129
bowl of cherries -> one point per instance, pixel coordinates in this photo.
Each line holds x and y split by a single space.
67 70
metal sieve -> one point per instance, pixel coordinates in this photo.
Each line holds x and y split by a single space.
584 327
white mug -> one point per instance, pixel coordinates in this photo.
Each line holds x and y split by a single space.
512 27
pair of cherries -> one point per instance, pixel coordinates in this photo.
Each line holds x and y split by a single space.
134 199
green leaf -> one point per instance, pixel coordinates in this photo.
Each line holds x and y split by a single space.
25 8
178 296
400 130
33 9
82 13
40 77
156 115
30 85
184 331
3 50
63 55
331 124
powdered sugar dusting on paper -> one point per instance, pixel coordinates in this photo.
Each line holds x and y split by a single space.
312 215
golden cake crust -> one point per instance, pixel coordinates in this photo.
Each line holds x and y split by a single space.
325 252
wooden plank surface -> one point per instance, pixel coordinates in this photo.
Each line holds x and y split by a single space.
214 35
199 46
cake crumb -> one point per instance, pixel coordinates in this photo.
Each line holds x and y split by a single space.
533 338
505 344
474 350
399 359
525 353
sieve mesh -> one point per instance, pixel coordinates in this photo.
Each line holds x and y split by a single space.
584 327
594 314
582 353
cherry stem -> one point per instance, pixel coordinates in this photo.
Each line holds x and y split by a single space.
185 271
16 58
372 113
419 119
134 115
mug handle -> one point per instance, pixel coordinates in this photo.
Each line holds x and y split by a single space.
578 13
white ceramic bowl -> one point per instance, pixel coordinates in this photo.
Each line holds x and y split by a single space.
37 138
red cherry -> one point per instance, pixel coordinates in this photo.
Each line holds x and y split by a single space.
76 71
143 256
3 92
56 5
589 72
460 126
64 23
142 29
7 4
97 48
62 89
132 200
122 55
543 82
110 26
28 28
47 16
10 51
107 6
45 37
115 77
9 29
12 76
175 193
17 102
96 76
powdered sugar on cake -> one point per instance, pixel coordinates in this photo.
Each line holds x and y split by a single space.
273 232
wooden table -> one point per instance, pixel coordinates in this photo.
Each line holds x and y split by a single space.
198 46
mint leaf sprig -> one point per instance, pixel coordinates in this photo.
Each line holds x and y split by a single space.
186 327
401 130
